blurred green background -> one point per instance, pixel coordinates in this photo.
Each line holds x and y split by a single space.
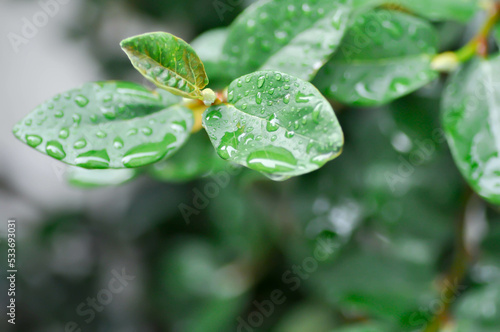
361 245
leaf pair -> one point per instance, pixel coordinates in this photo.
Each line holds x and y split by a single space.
272 122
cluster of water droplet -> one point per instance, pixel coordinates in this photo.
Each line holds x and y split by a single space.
105 125
274 123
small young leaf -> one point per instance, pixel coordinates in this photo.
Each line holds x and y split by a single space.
167 61
471 120
108 125
94 178
274 123
292 36
195 159
375 68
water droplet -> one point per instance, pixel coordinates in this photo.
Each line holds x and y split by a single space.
277 77
77 118
258 98
107 98
147 131
81 101
80 144
399 84
302 98
179 125
28 122
55 150
64 133
132 132
230 95
273 123
272 159
286 99
317 112
118 143
149 153
289 134
33 140
93 159
101 134
229 143
214 115
261 81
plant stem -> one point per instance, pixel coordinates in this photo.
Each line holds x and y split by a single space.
449 61
457 270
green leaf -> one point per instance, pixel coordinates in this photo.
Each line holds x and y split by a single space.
373 68
471 120
458 10
455 10
167 61
274 123
292 36
108 125
209 48
93 178
194 160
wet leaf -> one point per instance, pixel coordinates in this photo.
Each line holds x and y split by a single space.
471 120
92 178
108 125
295 37
385 55
167 61
276 124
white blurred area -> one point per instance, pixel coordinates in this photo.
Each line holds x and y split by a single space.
31 184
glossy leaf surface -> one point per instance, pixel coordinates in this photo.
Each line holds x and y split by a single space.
295 37
385 55
276 124
108 125
471 120
167 61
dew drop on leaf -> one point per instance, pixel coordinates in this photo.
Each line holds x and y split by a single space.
118 143
81 101
33 140
64 133
261 81
272 159
55 150
93 159
80 144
